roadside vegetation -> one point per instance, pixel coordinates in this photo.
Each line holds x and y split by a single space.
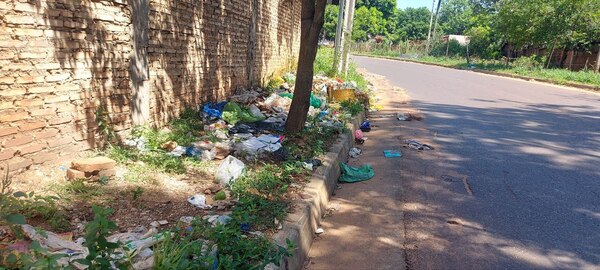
536 39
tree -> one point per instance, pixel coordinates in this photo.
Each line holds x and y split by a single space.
331 18
368 22
313 17
413 23
456 17
386 7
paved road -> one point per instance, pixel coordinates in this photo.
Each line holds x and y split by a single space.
530 154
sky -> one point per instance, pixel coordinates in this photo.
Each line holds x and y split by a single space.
413 3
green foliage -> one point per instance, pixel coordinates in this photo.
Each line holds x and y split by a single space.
331 18
456 17
368 22
102 253
412 24
324 65
105 127
386 7
353 107
453 48
16 207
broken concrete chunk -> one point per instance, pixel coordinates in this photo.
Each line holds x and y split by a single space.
94 164
107 173
73 174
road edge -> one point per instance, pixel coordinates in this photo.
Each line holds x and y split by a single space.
299 227
591 88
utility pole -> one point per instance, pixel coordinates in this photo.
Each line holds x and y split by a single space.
339 37
348 37
437 11
430 25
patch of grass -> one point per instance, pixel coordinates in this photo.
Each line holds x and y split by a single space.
353 107
311 142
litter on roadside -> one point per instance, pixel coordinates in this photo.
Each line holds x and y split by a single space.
353 175
409 117
365 126
416 145
354 152
392 153
199 200
230 169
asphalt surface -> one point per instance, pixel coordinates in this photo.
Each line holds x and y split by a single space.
514 181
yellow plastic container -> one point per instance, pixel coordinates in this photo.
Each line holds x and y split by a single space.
340 95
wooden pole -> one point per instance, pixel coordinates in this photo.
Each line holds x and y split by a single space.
348 37
430 26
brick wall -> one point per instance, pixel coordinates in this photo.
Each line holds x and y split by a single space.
62 61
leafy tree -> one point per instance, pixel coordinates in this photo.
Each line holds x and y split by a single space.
331 18
387 7
456 17
413 23
368 22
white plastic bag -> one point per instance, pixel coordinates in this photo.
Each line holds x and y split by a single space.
230 169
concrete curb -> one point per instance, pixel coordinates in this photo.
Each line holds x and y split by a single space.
495 73
299 227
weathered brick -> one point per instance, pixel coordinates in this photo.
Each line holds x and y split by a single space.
43 112
47 133
59 121
48 66
7 80
33 148
40 158
57 77
18 140
13 116
59 142
73 174
27 126
6 55
41 89
19 163
28 103
33 55
93 164
16 19
14 91
55 99
30 79
25 7
7 153
5 131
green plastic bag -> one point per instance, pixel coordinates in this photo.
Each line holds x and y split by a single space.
315 102
353 175
233 113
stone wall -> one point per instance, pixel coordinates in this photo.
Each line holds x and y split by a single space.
64 63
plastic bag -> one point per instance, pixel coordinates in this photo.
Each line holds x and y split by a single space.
233 113
214 110
230 169
353 175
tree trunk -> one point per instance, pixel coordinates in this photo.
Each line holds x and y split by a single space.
551 55
313 12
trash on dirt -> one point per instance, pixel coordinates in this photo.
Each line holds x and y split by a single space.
359 141
51 240
233 113
214 110
186 219
409 117
308 166
178 151
216 125
258 145
315 162
168 146
319 231
217 219
230 169
365 126
416 145
392 153
199 200
204 145
358 134
352 174
355 152
138 143
221 135
255 111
